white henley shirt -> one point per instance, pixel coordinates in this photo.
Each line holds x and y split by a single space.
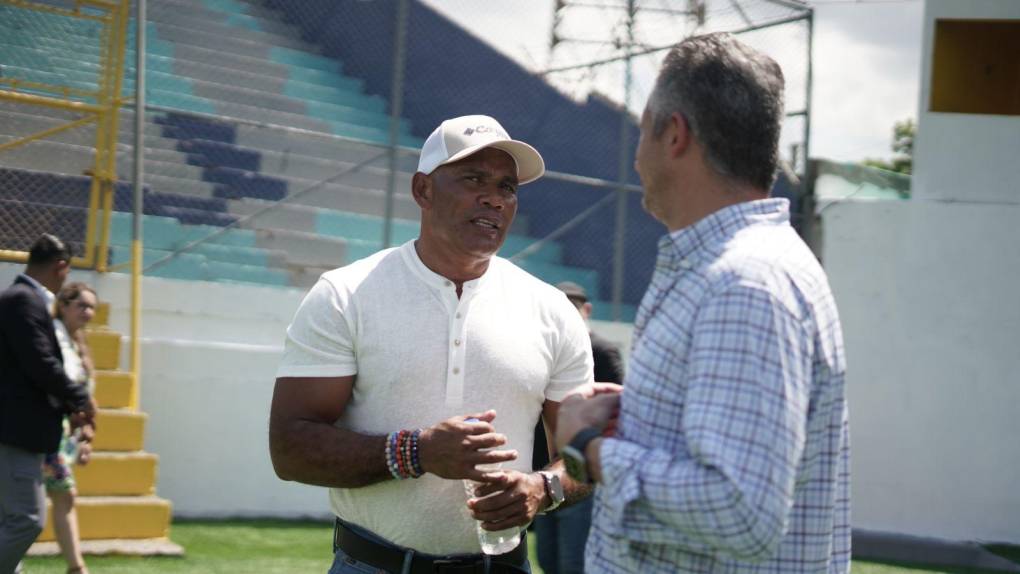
422 355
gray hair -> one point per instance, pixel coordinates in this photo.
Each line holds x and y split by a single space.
732 99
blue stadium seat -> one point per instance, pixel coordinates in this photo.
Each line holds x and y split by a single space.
206 153
237 183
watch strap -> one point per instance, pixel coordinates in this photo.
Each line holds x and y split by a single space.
583 437
573 454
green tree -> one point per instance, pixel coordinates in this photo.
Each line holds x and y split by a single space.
903 149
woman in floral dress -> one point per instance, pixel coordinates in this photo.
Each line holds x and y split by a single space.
76 305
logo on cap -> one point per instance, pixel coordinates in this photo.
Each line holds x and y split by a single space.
484 129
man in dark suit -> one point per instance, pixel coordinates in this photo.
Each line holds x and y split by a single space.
561 534
35 394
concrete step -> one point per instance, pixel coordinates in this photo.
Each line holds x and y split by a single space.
305 249
101 318
320 145
119 430
179 169
191 16
124 517
51 156
118 474
178 185
113 389
105 347
200 54
234 40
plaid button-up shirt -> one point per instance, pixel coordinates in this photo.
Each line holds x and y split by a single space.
733 445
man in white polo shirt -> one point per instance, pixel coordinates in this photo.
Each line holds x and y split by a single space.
390 358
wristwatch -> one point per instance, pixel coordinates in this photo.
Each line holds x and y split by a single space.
573 454
554 489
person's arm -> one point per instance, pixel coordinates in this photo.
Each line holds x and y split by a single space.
28 327
743 416
573 491
306 447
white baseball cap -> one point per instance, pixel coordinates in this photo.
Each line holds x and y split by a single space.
457 138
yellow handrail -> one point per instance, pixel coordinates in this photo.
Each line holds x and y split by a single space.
47 133
56 10
37 100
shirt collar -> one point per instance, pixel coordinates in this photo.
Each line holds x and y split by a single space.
681 247
435 280
45 293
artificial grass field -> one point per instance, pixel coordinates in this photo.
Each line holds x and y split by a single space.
289 547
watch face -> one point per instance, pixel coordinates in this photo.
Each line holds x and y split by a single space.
576 465
557 488
553 486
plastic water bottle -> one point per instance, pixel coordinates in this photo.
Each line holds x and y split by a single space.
498 541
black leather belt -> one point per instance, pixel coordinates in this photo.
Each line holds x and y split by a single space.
391 558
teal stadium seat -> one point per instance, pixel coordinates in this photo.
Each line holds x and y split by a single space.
230 256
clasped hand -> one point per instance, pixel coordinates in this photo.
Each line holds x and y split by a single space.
597 406
86 417
507 498
455 447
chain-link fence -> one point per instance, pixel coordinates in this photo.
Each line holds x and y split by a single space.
271 125
44 186
59 76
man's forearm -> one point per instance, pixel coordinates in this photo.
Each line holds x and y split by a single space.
323 455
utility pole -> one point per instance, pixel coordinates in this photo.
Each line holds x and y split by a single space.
622 174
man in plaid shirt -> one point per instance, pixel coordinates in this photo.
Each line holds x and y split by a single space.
730 452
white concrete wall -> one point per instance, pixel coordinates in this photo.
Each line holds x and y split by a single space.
928 295
964 157
208 406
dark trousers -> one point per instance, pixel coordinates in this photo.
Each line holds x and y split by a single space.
22 504
560 537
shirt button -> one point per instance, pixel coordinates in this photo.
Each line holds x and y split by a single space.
456 370
458 315
447 283
685 263
456 342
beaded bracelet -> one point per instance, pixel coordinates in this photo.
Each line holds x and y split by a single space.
401 464
391 461
396 456
409 448
415 460
402 458
405 455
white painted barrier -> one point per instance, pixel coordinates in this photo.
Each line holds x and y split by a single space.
928 295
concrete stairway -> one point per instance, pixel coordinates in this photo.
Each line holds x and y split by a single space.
117 490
